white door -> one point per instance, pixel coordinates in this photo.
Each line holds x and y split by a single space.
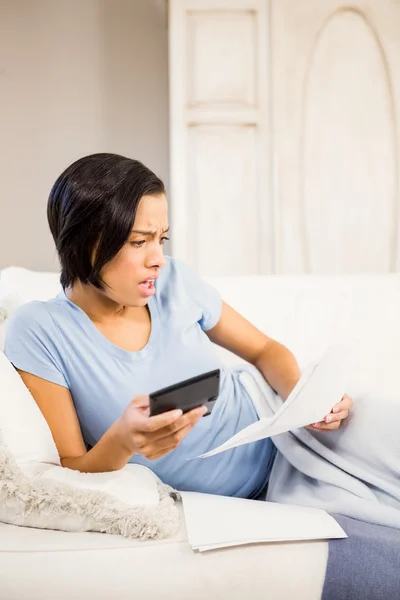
219 107
285 135
336 107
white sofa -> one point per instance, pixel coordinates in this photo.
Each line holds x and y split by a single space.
305 313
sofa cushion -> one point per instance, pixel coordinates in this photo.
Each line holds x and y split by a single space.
310 313
23 427
29 285
18 286
105 567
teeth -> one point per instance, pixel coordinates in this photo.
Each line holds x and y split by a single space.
148 282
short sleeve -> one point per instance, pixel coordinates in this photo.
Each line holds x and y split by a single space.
191 286
33 343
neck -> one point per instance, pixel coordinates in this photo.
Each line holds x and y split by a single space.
99 307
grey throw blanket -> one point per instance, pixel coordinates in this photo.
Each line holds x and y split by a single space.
364 566
354 471
354 474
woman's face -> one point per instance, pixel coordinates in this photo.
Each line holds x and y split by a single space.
131 273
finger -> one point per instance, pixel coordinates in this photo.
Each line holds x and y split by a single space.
321 426
165 445
345 404
195 411
141 401
315 426
189 418
337 416
177 437
170 432
329 426
152 424
143 441
347 399
179 426
161 453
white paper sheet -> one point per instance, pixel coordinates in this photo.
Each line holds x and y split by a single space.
321 386
218 522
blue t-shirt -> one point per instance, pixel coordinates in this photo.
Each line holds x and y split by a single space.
57 341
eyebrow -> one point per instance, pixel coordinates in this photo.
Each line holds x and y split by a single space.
148 232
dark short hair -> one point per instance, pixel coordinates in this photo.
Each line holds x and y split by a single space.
94 202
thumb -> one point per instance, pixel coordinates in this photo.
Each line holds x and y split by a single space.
141 401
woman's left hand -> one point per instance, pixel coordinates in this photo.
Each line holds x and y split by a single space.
338 413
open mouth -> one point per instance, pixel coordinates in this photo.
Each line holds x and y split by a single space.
147 287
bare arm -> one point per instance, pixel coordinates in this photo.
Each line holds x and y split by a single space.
134 432
277 364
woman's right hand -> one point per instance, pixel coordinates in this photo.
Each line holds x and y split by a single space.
153 437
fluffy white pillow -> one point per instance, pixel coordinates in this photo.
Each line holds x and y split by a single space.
125 502
36 491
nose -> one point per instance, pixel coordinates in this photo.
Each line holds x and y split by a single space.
156 258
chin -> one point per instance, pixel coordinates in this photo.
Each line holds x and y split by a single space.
138 301
142 302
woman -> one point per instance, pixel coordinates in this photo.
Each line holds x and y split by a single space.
130 321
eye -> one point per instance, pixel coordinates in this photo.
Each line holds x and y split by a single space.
138 244
164 239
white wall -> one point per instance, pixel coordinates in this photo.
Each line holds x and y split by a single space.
76 77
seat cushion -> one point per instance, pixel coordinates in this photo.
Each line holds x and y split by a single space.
64 565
